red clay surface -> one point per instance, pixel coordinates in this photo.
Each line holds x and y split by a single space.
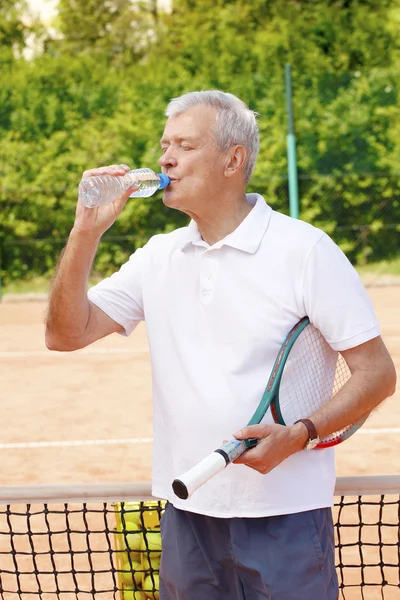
104 393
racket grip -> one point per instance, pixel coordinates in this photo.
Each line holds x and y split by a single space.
189 482
251 442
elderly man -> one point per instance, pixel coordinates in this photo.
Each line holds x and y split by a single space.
218 297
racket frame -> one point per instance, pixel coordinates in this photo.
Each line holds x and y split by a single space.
274 402
271 392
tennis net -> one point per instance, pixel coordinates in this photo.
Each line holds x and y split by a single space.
102 541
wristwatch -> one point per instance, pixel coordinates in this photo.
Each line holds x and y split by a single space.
313 438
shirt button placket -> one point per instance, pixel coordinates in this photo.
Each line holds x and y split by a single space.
206 279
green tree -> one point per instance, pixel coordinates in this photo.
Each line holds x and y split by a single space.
97 93
119 30
13 31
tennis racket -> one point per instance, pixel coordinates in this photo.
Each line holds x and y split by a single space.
306 374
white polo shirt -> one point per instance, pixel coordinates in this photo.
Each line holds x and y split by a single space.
216 317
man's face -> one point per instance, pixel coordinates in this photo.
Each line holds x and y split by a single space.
192 160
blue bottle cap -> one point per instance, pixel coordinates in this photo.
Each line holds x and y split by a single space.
164 180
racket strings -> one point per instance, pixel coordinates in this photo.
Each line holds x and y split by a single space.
313 374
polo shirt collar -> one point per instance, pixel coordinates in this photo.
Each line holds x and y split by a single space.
246 237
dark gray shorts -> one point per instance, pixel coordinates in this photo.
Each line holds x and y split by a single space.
288 557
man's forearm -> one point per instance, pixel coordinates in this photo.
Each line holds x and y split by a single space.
68 310
360 396
372 381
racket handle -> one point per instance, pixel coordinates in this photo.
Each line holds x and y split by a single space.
251 442
189 482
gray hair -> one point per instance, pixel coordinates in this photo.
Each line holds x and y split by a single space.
235 123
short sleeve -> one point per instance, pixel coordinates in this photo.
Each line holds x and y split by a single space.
120 296
335 298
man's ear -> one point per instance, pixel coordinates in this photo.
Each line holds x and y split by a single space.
236 158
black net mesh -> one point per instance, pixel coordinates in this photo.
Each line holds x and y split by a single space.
80 551
112 550
368 546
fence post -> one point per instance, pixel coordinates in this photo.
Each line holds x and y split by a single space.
291 148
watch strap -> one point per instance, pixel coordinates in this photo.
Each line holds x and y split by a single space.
312 432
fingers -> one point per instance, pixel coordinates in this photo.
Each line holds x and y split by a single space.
271 449
116 170
250 458
121 200
253 431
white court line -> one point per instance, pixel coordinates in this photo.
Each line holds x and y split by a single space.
75 443
147 440
50 354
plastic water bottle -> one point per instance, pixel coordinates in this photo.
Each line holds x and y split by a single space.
102 189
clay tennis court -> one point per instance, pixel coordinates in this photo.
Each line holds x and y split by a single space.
97 401
85 417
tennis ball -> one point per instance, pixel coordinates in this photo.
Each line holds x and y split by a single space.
131 515
150 562
151 515
152 543
134 541
152 592
151 520
136 556
130 574
134 595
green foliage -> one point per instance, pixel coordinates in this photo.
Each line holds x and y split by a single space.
119 31
97 92
13 30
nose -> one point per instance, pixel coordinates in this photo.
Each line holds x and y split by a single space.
167 159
